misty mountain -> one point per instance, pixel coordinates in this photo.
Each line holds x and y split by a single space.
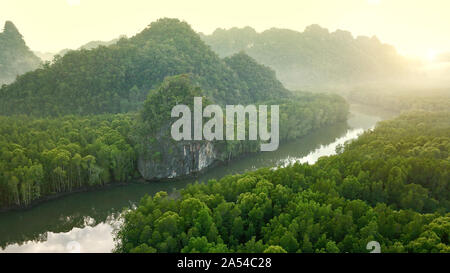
15 56
313 57
117 78
92 45
48 56
44 56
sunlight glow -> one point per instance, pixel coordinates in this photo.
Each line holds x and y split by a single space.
431 55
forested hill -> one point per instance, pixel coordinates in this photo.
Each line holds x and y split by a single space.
45 157
52 140
15 56
117 78
260 80
313 57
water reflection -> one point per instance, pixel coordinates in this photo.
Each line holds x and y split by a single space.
323 150
91 238
89 218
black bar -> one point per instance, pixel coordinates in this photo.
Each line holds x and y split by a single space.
231 262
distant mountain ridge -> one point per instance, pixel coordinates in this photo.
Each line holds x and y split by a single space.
117 78
59 130
15 56
313 57
92 45
48 56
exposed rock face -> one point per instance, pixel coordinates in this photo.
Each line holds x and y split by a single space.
176 159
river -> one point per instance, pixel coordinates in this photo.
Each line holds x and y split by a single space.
85 222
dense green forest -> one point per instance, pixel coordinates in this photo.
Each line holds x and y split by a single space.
116 79
314 57
48 112
161 156
100 115
315 110
261 81
43 157
391 186
15 56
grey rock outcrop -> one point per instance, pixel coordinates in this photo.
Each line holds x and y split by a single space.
176 159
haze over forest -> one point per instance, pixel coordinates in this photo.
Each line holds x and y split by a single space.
296 39
87 99
415 28
313 59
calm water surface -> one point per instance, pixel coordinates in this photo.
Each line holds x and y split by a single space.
86 222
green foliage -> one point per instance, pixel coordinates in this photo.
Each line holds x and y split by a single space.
381 187
116 79
157 108
306 112
169 58
42 157
407 159
261 81
300 114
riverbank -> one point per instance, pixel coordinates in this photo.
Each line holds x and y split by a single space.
88 216
60 195
191 177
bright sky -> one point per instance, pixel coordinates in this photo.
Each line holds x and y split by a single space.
415 27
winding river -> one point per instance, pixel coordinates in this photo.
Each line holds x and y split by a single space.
85 222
